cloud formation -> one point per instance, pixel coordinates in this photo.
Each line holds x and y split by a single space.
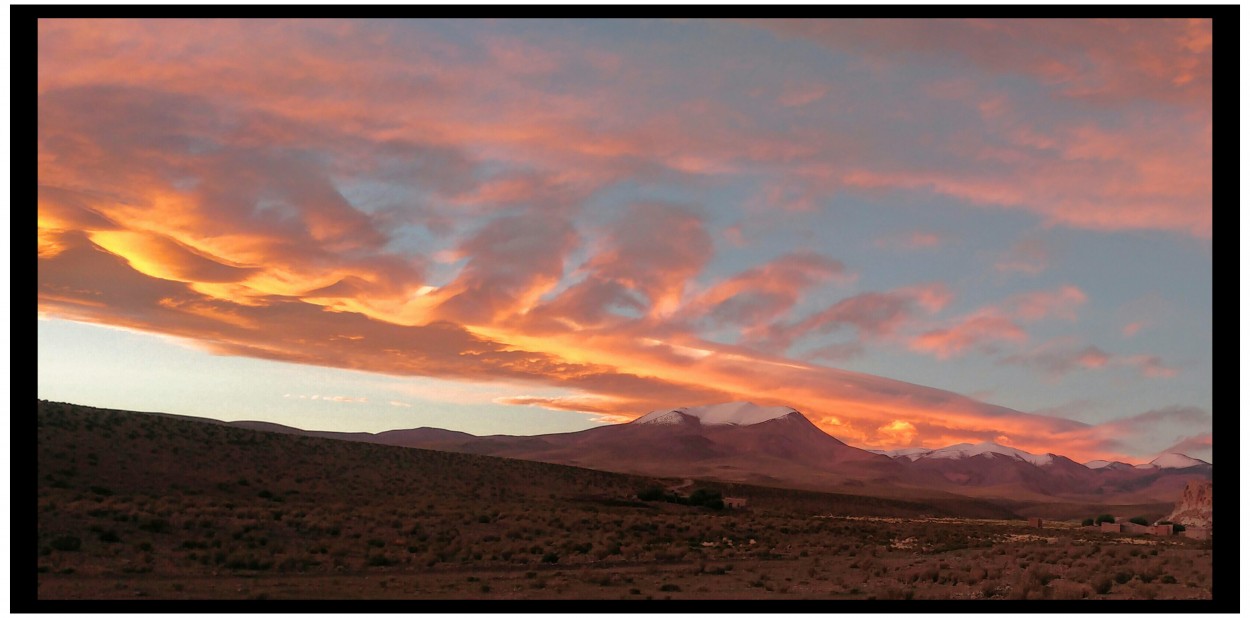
533 206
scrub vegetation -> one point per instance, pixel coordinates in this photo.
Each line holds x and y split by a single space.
150 506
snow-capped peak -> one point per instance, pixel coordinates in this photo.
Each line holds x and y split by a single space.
911 453
985 449
1097 463
1175 460
733 413
661 417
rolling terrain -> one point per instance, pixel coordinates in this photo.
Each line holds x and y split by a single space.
134 505
778 446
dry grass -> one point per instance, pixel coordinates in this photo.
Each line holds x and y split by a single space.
133 505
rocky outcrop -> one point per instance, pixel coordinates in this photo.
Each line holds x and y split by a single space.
1194 508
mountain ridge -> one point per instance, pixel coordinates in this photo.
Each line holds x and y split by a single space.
779 446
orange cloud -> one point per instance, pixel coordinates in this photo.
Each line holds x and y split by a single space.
184 188
898 432
618 372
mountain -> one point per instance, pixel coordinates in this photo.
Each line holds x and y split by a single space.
732 413
1101 464
910 453
1174 461
779 446
737 441
983 449
989 468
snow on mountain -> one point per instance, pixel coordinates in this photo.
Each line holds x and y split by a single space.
1103 464
732 413
984 449
660 417
1175 460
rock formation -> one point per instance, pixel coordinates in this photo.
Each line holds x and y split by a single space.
1194 508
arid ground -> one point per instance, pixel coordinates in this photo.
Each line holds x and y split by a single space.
145 506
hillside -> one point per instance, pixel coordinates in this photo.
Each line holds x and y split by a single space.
133 505
205 495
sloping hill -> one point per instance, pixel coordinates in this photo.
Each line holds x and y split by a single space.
131 493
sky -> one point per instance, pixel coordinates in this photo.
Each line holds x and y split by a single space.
916 232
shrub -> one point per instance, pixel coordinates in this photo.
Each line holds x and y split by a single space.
1102 584
706 497
551 558
380 560
651 494
1088 521
1141 521
670 588
156 525
66 543
1104 518
1067 590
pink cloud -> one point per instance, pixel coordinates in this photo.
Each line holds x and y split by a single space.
184 189
78 283
1101 60
870 315
758 296
654 249
513 260
424 90
1198 446
978 331
987 327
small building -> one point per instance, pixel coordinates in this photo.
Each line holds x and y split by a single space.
1108 526
1201 534
1132 528
1035 522
1161 530
735 503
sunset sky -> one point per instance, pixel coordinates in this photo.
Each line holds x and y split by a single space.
916 232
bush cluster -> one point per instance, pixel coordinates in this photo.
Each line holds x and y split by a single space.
699 497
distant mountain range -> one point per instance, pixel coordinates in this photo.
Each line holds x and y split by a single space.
743 442
962 451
